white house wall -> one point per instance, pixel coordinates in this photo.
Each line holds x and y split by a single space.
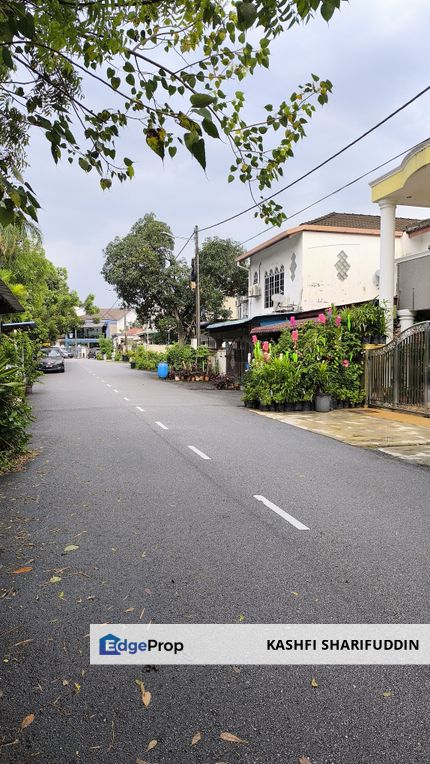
415 245
277 255
339 268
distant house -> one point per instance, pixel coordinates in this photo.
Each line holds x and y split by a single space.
8 302
108 323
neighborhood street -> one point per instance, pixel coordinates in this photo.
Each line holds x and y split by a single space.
155 482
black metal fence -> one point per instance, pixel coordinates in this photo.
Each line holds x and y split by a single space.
398 375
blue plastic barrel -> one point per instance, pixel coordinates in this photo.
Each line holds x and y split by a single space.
163 370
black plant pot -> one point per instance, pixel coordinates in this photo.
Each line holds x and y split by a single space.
289 406
307 406
132 364
298 406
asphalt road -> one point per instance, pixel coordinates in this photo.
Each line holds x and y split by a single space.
164 534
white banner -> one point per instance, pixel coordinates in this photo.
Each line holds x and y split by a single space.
260 644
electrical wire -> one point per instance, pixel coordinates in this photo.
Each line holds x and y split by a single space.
337 191
323 163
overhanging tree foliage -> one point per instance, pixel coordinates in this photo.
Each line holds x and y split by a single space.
145 273
171 66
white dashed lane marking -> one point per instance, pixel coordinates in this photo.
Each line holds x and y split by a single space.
289 518
199 453
163 426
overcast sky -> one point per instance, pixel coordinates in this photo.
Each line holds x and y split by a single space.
376 54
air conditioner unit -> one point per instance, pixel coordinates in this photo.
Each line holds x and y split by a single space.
255 291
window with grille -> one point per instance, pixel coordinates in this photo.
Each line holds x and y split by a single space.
269 286
255 279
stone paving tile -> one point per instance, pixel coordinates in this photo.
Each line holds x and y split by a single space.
359 427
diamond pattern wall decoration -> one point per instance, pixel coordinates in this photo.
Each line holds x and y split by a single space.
293 266
342 266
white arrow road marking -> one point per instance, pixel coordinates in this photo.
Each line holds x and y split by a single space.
279 511
163 426
199 453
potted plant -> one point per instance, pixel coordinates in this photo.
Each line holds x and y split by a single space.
322 397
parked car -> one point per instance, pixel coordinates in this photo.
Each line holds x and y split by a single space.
66 353
51 360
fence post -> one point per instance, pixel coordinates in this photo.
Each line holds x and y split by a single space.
426 370
396 374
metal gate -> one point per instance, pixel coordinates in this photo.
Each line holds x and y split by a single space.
398 375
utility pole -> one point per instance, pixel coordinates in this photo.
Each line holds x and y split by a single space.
197 267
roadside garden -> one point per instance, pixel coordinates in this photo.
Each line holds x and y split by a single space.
315 364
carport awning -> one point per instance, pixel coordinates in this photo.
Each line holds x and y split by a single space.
8 302
279 327
227 324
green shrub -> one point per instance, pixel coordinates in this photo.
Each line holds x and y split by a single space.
99 357
117 356
15 414
321 356
184 357
147 360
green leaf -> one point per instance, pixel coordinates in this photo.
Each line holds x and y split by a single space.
202 99
246 15
196 146
115 82
327 10
210 128
70 548
105 183
26 25
172 151
6 56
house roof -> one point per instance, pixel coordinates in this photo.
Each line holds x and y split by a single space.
8 302
418 225
335 222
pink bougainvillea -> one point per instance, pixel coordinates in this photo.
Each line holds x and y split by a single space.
295 335
265 347
345 363
338 320
322 318
293 321
329 311
254 339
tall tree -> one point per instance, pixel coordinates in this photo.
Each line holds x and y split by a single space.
41 287
145 273
171 66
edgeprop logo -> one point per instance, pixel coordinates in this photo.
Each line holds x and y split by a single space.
110 644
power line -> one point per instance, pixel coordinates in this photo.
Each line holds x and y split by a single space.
337 190
186 243
322 164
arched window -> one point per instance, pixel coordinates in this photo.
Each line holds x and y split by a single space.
281 280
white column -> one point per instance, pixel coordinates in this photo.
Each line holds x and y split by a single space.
386 261
406 318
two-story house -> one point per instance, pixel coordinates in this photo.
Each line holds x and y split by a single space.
333 259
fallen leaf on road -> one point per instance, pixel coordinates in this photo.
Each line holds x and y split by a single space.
55 579
236 669
65 682
70 548
195 739
314 682
151 745
229 738
387 694
61 595
76 688
140 761
24 569
241 618
130 610
296 594
148 591
145 694
304 760
27 720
